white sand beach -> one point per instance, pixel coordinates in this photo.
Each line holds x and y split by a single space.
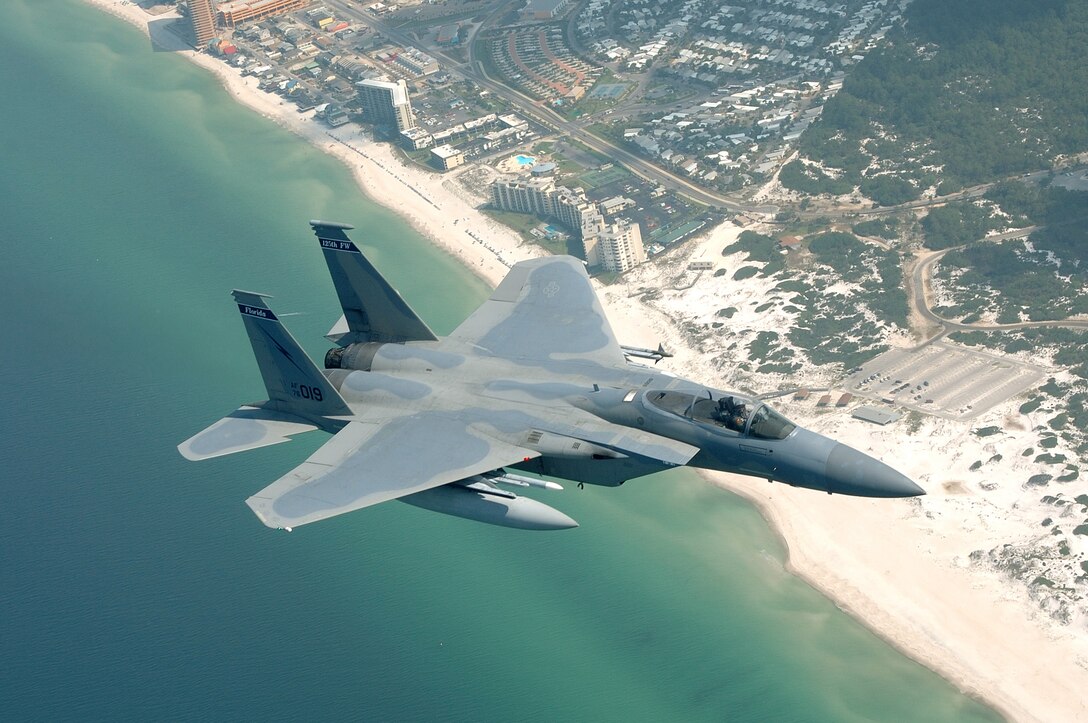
902 567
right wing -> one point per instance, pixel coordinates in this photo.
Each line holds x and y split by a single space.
368 462
544 311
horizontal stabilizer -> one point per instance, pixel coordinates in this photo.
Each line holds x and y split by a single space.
243 429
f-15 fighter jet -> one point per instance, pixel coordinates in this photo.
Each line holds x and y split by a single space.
533 381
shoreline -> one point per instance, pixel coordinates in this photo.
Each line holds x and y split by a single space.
964 682
372 164
898 568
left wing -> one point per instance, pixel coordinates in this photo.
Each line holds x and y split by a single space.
545 310
368 462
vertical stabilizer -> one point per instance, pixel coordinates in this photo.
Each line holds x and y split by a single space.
373 310
294 382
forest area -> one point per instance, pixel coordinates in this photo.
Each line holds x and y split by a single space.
963 93
1043 279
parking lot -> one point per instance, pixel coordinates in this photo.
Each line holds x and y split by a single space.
944 380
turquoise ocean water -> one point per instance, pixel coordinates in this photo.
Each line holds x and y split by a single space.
134 585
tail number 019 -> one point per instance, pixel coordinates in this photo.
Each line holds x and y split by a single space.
307 392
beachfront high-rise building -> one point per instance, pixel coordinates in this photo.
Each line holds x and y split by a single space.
386 103
202 15
616 247
541 197
574 210
523 196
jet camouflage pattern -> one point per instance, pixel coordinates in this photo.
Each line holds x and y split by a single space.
533 381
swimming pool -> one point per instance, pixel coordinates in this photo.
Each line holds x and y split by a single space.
525 160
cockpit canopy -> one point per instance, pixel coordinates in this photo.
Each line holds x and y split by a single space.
736 413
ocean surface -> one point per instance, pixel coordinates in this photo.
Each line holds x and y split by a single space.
135 585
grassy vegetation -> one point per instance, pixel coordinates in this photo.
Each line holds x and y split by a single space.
590 104
768 348
885 228
1042 284
594 178
425 21
806 178
799 227
598 157
520 222
834 329
567 166
855 262
523 223
889 190
957 223
569 246
759 248
1031 405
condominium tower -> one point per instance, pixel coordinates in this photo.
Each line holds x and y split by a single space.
202 15
386 103
615 247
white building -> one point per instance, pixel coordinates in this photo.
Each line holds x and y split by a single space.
386 103
616 247
448 157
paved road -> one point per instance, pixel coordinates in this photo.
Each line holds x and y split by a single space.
919 296
972 192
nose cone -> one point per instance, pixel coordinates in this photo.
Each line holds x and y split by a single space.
849 472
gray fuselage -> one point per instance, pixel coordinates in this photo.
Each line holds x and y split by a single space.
570 406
